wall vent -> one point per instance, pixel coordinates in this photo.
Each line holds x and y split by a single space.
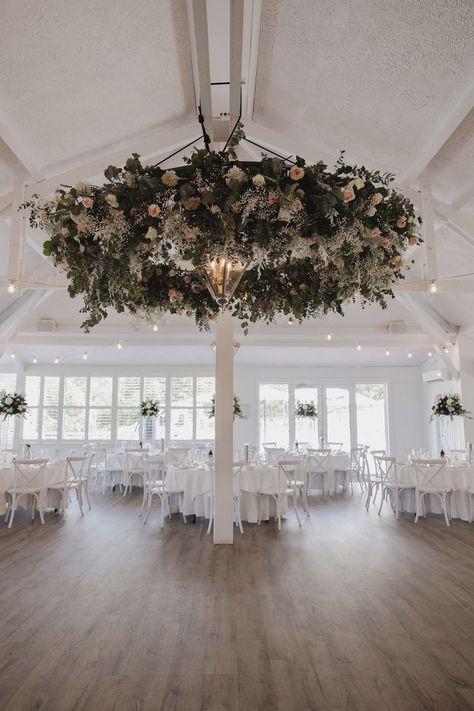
46 325
397 327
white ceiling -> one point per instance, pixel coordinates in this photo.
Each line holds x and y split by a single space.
380 79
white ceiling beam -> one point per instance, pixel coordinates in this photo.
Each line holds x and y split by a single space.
446 286
430 269
460 222
22 153
153 143
17 234
291 145
439 135
199 40
252 23
12 318
235 59
464 196
5 202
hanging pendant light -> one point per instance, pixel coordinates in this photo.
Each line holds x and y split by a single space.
222 277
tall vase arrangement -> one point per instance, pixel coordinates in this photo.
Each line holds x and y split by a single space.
446 407
149 410
11 405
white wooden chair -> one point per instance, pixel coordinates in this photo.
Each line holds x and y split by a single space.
28 480
134 468
156 485
177 455
73 481
273 454
316 467
86 476
288 486
431 481
335 447
391 487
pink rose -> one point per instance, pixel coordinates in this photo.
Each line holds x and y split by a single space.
348 195
412 240
376 198
396 261
273 197
401 222
43 215
172 293
81 226
297 205
154 210
385 242
87 202
296 173
375 233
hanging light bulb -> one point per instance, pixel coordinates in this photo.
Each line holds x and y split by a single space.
119 345
410 355
359 347
84 355
13 356
222 277
387 352
291 321
433 288
11 288
56 360
429 354
35 360
155 327
328 336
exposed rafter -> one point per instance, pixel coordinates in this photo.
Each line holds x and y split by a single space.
291 145
17 234
439 135
252 22
236 46
22 153
14 316
461 223
199 39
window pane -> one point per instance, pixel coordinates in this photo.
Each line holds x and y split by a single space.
32 390
129 392
127 424
100 423
273 409
74 423
181 426
306 430
339 426
155 388
370 404
51 391
75 391
205 389
50 422
30 425
182 392
8 382
204 425
100 392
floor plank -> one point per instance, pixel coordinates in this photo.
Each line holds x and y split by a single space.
351 611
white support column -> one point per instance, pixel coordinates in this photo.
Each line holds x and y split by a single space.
224 445
17 233
429 246
466 372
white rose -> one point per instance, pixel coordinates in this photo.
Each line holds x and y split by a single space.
215 209
359 183
81 188
152 233
111 200
235 174
283 214
449 402
169 178
8 401
371 211
258 180
9 409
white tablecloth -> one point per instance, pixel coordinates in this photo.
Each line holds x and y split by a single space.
458 478
54 473
334 463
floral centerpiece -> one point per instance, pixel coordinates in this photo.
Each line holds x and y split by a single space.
311 238
237 408
149 408
306 410
12 405
449 405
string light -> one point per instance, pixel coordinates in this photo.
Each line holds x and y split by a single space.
13 356
433 288
11 288
56 360
410 355
84 355
328 336
35 360
387 352
359 347
290 321
119 345
429 354
155 327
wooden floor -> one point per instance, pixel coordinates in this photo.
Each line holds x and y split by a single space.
352 611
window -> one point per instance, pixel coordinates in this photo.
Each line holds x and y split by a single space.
205 389
50 407
33 398
74 412
100 408
306 430
338 416
181 414
155 389
273 409
370 406
128 402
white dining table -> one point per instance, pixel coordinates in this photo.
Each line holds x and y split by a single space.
54 473
458 478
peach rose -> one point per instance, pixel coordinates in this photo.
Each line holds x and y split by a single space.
191 203
87 202
348 195
273 197
154 210
396 261
81 226
376 198
111 200
401 222
375 233
337 261
296 173
385 242
297 205
43 215
172 293
412 240
169 178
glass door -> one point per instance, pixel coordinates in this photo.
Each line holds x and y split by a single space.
338 420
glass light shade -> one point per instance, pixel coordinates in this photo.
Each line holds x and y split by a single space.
222 277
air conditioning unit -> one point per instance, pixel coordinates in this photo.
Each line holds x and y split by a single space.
46 325
435 376
397 327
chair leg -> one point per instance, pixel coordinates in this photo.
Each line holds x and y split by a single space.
150 499
85 485
40 510
33 505
145 494
445 509
469 507
382 498
294 497
12 513
78 494
278 512
259 512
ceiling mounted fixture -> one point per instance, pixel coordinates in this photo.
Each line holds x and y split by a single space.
11 288
235 346
433 287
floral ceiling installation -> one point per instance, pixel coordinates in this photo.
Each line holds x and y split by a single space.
313 238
